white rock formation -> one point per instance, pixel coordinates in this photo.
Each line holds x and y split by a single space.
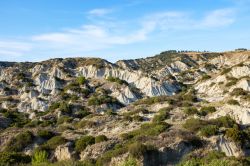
64 152
228 147
147 85
125 96
239 113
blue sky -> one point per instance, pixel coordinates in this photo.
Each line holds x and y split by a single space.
35 30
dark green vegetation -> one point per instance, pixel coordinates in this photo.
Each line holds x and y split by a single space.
117 80
212 158
18 143
83 142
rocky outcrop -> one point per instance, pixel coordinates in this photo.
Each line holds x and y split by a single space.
125 95
238 72
228 147
169 155
147 85
240 114
65 152
96 150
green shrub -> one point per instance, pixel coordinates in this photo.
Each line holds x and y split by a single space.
53 142
189 97
18 119
85 123
138 149
83 142
110 112
233 102
65 108
209 130
235 135
81 80
193 124
129 162
224 121
190 111
153 100
18 143
147 129
162 115
239 92
117 80
205 77
107 156
138 118
64 119
54 106
40 157
206 110
82 113
102 99
225 71
46 134
100 138
231 83
13 158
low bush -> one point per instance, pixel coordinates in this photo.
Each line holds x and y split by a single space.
13 158
107 156
205 77
18 143
85 123
64 119
207 110
82 113
239 92
193 124
137 149
147 129
138 118
213 158
190 111
65 108
45 134
209 130
233 102
83 142
224 121
117 80
225 71
100 138
102 99
18 119
234 134
231 83
53 142
162 115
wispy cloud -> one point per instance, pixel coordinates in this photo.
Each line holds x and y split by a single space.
13 48
98 36
218 18
100 12
185 20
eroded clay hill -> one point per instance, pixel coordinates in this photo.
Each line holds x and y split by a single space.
185 108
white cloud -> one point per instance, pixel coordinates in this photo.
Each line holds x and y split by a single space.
218 18
98 36
100 12
13 48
